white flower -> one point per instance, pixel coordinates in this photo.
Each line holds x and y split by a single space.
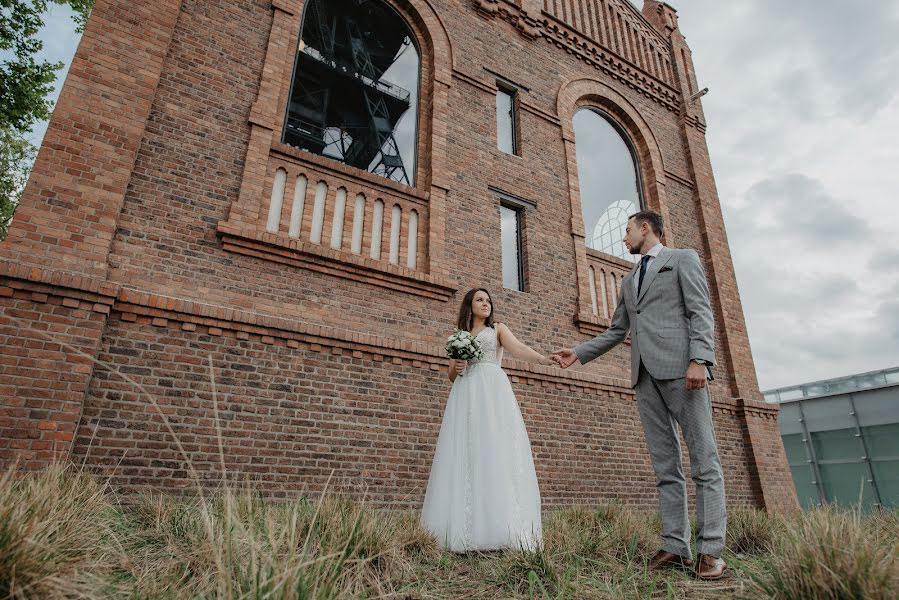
463 346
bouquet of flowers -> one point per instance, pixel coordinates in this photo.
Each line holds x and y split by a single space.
463 346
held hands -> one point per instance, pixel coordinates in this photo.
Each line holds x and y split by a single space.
564 357
696 375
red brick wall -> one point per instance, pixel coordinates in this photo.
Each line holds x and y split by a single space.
48 343
293 418
318 370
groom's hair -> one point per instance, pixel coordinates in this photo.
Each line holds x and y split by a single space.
653 218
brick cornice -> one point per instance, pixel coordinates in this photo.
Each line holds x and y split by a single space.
574 42
539 112
593 325
288 6
694 121
489 88
566 38
61 283
473 81
681 179
133 305
281 249
761 410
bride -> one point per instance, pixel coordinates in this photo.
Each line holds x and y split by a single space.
482 492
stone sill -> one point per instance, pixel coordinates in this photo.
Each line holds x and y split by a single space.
298 253
336 168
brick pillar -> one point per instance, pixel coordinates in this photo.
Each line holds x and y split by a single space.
769 459
49 335
68 214
53 264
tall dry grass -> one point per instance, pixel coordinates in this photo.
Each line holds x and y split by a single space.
63 534
830 553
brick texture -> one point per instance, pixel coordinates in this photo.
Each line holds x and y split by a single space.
142 243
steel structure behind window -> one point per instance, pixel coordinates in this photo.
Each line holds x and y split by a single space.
354 96
608 181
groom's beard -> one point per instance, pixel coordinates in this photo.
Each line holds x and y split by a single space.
636 249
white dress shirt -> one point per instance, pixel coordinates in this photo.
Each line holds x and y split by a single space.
653 252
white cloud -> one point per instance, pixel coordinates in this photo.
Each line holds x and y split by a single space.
802 114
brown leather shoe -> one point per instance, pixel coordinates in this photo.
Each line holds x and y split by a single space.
668 560
710 568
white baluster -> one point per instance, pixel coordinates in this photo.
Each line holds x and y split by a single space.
277 201
337 225
395 217
377 221
296 211
412 249
358 221
614 290
318 213
604 293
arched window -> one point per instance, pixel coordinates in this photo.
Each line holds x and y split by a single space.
608 180
354 95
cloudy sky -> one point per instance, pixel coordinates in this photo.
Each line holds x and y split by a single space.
803 119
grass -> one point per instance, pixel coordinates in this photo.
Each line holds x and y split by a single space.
63 534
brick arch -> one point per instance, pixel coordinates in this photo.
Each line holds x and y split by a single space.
436 58
585 93
433 114
428 22
436 65
267 120
578 93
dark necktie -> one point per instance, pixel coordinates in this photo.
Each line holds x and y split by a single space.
643 262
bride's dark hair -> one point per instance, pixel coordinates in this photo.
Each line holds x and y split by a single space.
466 318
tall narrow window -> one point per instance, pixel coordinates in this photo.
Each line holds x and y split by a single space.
608 180
505 121
513 259
354 96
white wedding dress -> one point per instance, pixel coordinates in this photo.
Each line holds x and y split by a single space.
482 492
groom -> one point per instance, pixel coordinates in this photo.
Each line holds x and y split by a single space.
664 301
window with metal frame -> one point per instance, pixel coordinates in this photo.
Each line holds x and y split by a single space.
354 95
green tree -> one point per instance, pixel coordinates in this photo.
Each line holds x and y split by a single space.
25 84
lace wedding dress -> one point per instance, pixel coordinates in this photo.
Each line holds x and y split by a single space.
482 492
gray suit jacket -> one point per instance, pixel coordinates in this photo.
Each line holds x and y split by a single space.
671 321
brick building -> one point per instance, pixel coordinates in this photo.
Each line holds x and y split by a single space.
256 219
